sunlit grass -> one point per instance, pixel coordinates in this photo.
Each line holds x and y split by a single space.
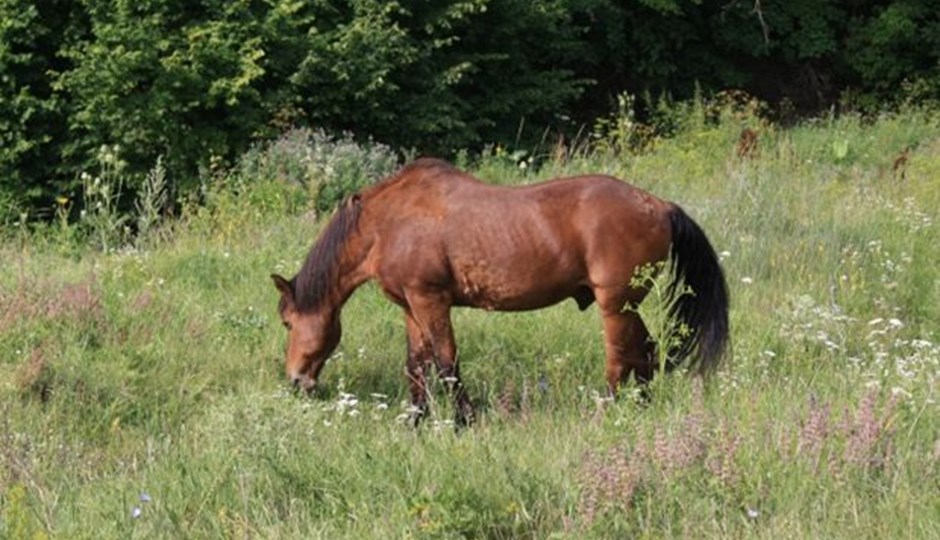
141 390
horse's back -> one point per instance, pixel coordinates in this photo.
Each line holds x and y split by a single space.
577 209
518 247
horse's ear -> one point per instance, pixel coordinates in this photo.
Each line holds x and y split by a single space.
284 286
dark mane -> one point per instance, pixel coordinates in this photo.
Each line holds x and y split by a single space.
318 275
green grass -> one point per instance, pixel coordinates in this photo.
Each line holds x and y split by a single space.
158 372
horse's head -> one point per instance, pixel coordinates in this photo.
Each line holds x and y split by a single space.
311 337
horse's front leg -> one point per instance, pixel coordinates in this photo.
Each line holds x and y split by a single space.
420 355
431 314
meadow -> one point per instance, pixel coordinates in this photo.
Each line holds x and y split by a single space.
142 392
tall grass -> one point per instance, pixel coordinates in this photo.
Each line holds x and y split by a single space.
141 391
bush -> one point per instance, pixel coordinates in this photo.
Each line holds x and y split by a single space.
329 167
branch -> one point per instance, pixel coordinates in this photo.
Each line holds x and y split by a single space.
763 24
757 10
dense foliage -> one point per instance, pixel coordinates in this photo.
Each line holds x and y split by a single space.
198 82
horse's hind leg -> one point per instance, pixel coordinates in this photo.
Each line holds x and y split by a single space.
628 348
448 369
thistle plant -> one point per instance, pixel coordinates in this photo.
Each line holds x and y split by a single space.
621 133
664 330
151 200
65 232
105 223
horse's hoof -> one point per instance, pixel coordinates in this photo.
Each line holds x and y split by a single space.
417 414
465 417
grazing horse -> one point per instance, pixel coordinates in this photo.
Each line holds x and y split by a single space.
434 237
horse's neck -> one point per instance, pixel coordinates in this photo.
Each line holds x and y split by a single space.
352 272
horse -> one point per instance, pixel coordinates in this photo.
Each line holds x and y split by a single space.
434 237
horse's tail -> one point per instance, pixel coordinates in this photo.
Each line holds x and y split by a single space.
698 295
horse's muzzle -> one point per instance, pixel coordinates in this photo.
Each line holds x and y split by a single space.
304 382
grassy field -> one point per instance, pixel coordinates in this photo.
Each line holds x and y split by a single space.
142 394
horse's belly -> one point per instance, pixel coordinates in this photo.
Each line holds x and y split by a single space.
502 302
498 290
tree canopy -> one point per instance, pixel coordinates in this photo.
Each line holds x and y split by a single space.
199 81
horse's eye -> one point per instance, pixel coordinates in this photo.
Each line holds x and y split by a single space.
286 325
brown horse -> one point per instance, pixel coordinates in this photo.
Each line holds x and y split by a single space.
434 237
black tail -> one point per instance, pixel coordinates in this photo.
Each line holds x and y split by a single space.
703 310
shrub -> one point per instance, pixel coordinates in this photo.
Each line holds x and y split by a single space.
329 167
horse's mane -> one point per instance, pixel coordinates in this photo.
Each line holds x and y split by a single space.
317 276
